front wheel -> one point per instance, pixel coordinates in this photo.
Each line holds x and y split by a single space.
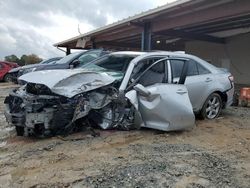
212 107
19 131
7 78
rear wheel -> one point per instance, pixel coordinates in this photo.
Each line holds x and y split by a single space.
212 107
7 78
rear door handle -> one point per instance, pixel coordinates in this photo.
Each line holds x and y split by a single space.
208 80
181 92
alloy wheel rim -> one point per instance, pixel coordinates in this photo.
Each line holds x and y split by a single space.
213 107
8 79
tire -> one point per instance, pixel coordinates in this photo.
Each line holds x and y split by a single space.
19 131
212 107
7 78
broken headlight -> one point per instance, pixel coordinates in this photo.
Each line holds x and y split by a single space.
38 89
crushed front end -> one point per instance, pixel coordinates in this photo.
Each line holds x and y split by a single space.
33 110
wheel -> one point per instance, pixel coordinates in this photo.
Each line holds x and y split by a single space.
7 78
19 131
212 107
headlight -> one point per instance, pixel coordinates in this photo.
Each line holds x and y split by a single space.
38 86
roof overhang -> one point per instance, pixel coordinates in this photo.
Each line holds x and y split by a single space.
179 21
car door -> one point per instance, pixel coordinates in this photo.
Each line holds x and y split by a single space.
197 81
161 105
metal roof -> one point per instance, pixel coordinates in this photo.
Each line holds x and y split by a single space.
208 20
137 16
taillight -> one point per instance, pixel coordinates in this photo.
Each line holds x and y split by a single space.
231 78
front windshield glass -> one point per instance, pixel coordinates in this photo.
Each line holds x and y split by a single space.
68 58
52 62
111 63
89 56
43 62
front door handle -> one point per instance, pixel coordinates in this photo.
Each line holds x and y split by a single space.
208 80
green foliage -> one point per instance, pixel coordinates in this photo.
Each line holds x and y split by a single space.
12 58
24 60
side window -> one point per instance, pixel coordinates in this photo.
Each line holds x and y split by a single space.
155 74
176 66
1 66
89 56
202 70
143 65
192 68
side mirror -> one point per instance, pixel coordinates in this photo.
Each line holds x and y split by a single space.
74 64
142 90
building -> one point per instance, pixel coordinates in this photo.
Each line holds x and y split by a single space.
215 30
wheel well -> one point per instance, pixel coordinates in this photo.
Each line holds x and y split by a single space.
6 75
223 97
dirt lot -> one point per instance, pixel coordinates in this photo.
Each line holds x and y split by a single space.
213 154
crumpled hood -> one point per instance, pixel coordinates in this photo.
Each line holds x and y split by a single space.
69 82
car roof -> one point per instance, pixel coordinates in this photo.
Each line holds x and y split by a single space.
133 53
179 54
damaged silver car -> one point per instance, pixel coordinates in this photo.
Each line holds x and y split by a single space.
122 90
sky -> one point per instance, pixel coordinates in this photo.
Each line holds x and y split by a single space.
33 26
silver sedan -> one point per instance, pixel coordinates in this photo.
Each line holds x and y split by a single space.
125 90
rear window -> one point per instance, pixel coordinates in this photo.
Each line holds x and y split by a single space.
192 68
202 70
176 66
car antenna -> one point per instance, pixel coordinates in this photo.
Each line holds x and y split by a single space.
79 31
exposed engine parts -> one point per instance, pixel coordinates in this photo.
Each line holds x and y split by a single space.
46 115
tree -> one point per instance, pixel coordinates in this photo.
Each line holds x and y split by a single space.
12 58
24 60
32 59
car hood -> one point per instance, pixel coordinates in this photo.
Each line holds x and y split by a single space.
52 67
25 67
69 83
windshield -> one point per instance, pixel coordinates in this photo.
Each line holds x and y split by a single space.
52 62
44 62
89 56
111 62
68 58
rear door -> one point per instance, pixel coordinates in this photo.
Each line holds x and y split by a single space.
167 106
198 81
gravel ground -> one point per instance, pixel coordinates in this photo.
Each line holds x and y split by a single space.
213 154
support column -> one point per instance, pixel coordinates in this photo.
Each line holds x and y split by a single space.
146 37
68 51
93 44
